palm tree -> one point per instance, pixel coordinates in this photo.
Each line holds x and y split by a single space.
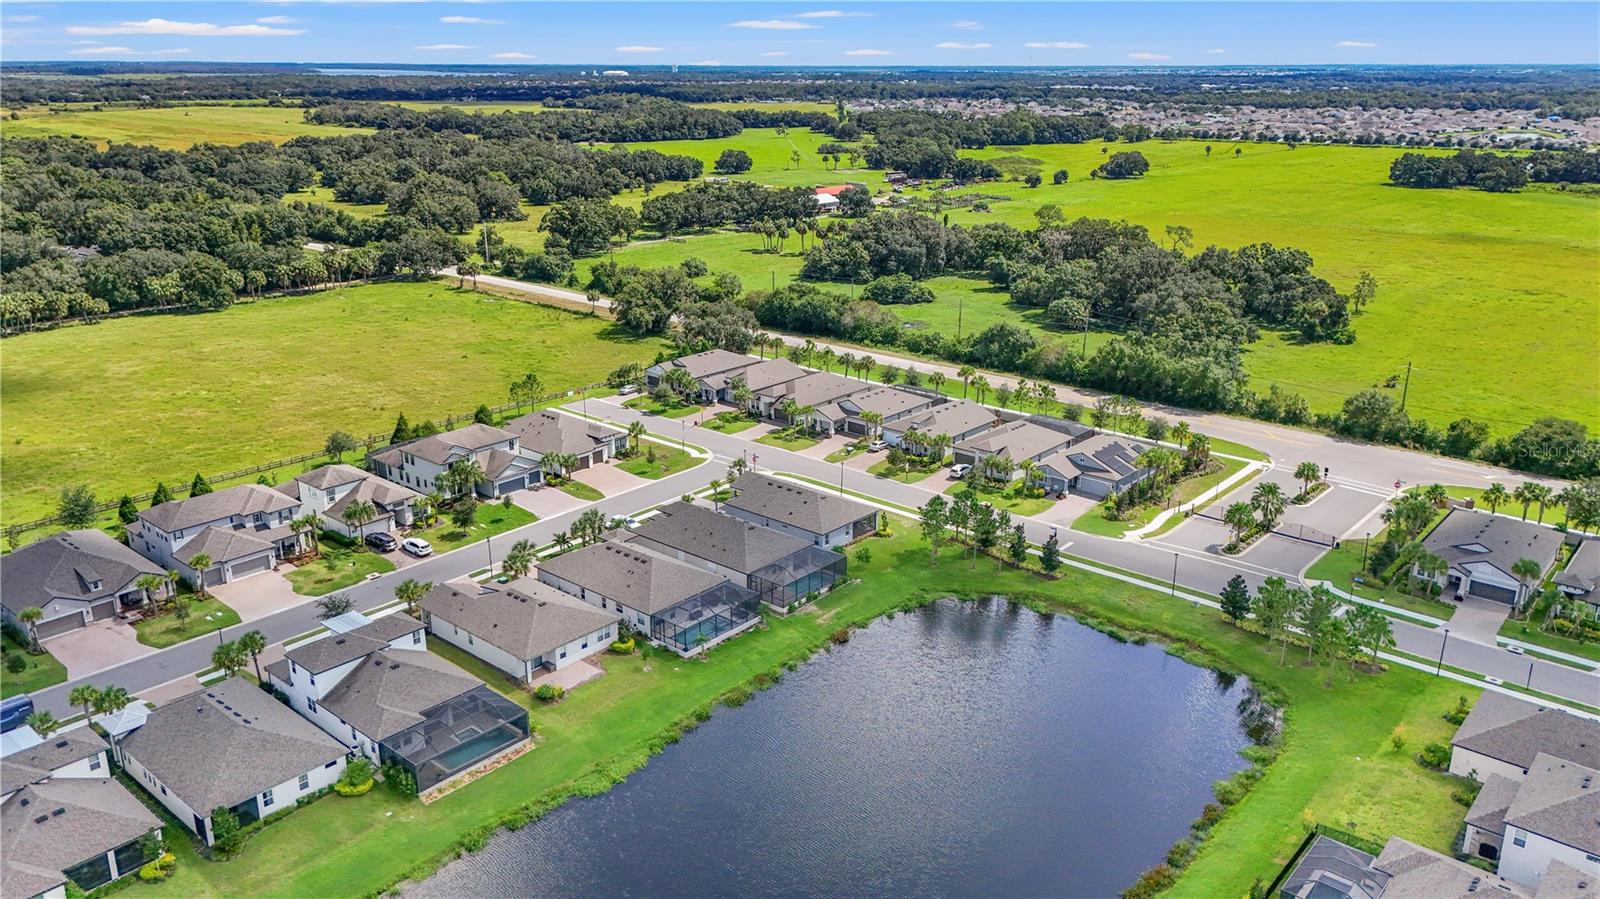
1429 566
965 373
356 516
518 561
1542 495
1529 493
635 431
173 577
111 700
716 493
1307 473
826 356
563 540
789 409
1179 435
1436 494
84 696
411 591
42 722
1496 496
466 474
308 524
1240 517
980 385
253 644
30 618
1526 571
229 657
200 562
1568 495
742 395
1030 472
936 380
874 422
150 585
1267 501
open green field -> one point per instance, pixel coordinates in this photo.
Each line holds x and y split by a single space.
1337 765
124 403
771 154
177 127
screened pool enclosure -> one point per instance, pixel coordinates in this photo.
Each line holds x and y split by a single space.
705 617
795 576
456 735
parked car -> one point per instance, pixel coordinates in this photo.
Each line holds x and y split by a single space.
877 446
382 541
1514 649
417 546
628 390
959 471
14 713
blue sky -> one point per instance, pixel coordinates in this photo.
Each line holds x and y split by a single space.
824 34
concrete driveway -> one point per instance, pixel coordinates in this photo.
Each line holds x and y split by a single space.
1478 619
96 647
1067 510
609 479
830 444
546 501
259 595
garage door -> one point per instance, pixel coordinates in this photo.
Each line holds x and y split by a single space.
103 611
55 627
1491 591
248 567
510 484
965 458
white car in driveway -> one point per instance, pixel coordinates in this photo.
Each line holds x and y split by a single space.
417 546
959 471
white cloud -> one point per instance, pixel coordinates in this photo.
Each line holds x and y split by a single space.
1144 56
1360 45
444 47
191 29
776 53
832 14
868 51
771 25
275 20
470 20
707 62
103 50
513 55
1214 51
638 48
967 25
1055 45
958 45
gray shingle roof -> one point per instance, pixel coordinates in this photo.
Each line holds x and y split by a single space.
371 487
792 504
722 539
1466 537
49 827
334 650
1418 873
635 576
1514 731
816 389
389 691
65 565
710 362
1583 569
1560 800
325 476
886 401
955 417
36 763
1016 440
245 499
548 431
762 375
220 745
1488 810
221 544
1563 881
1101 456
440 449
525 618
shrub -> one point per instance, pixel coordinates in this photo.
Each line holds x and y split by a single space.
1397 740
842 635
359 789
1151 882
15 663
1459 713
227 837
1435 756
160 868
399 780
356 779
864 555
548 692
623 647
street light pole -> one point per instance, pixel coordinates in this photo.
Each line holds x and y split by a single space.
841 477
1442 643
1174 575
1529 684
488 545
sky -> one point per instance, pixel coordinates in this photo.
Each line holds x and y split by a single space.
832 34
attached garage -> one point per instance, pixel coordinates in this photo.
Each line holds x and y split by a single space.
1492 591
55 627
509 485
214 576
247 567
103 611
965 458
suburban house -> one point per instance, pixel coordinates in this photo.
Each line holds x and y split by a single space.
845 416
783 569
1098 467
548 431
419 463
1480 549
959 419
703 367
1552 814
372 685
88 831
683 607
1328 869
814 390
74 577
332 489
1019 440
1503 735
523 628
76 752
229 746
243 530
763 375
823 518
1581 577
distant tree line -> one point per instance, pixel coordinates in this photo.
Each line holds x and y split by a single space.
1488 171
610 118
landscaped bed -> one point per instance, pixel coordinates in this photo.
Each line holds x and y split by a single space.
1343 563
338 568
204 616
906 475
580 490
1527 629
730 422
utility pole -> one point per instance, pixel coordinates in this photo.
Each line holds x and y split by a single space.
961 305
1174 575
1406 389
1086 336
485 230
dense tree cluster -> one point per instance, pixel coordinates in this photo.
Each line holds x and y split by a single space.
1488 171
888 243
608 118
711 204
1129 164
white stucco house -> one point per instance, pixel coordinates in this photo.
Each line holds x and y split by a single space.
243 530
551 431
417 464
523 628
826 519
332 489
1552 814
1480 550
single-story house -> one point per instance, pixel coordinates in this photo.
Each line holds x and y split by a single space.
1480 549
377 690
331 489
74 577
826 202
703 367
229 746
549 431
243 530
86 831
682 607
419 463
1097 466
780 567
1581 578
814 390
825 519
1019 440
1503 735
960 419
1553 814
522 628
1328 869
763 375
75 752
892 403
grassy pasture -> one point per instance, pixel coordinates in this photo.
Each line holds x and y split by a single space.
121 404
174 128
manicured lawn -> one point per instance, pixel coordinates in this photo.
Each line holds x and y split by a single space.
1196 489
668 460
177 127
498 680
1527 630
179 410
493 518
649 405
731 424
43 671
909 476
1008 498
849 451
337 569
1341 564
580 490
1238 449
1337 765
205 617
788 440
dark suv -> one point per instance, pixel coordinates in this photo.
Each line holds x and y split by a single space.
382 542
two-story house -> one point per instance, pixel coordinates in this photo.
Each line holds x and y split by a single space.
242 531
332 489
418 464
548 431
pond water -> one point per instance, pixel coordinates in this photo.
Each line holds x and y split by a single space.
964 749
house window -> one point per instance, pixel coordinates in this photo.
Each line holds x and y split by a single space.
163 789
1518 839
266 799
331 764
416 638
563 654
94 763
313 680
353 738
311 705
469 639
305 782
